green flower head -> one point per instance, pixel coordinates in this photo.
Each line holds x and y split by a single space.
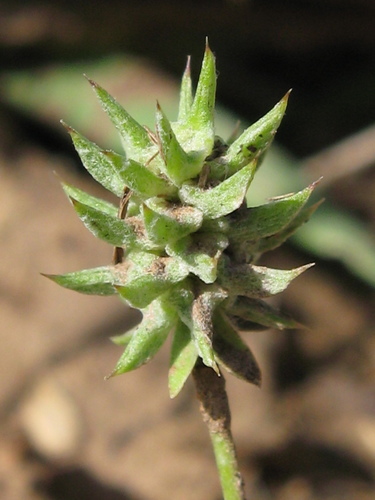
185 240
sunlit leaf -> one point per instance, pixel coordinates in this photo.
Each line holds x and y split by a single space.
254 223
222 199
148 336
179 166
135 138
256 281
256 139
89 200
104 166
96 281
107 227
196 131
186 94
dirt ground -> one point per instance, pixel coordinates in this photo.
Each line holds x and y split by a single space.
307 434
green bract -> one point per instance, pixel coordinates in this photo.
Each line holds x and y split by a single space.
186 243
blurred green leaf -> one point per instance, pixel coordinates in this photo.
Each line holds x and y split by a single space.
61 91
338 235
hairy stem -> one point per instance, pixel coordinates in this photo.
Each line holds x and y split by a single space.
215 411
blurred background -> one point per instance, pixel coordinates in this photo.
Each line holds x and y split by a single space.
309 433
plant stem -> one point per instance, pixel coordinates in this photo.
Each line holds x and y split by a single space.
215 411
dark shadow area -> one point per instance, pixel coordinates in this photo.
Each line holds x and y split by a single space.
25 127
78 484
291 366
318 464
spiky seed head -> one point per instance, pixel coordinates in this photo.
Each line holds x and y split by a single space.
186 241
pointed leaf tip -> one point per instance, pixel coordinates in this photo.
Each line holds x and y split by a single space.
286 96
135 138
186 94
105 167
91 82
268 220
178 165
110 375
107 227
256 139
67 127
187 71
256 281
96 281
313 185
87 199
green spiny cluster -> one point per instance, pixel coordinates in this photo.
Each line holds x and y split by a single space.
185 240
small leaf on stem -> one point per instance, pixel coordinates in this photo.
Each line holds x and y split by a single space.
232 352
183 357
